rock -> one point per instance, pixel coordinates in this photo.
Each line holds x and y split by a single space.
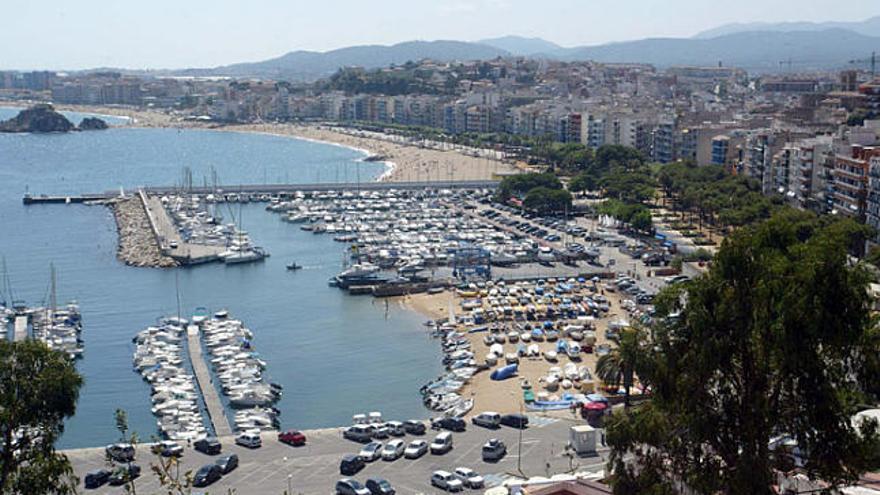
39 118
92 124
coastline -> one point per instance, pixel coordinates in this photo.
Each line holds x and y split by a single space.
405 161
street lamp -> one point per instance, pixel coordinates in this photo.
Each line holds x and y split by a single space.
519 446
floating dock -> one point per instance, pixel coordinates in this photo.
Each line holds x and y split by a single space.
20 331
216 413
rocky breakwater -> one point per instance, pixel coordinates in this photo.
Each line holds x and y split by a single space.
43 118
137 244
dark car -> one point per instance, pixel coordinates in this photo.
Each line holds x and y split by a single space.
515 421
210 446
227 463
120 452
292 437
379 486
414 427
206 475
451 424
124 474
95 479
350 465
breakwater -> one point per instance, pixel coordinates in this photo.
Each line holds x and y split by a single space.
137 241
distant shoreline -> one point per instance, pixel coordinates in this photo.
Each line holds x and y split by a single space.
405 162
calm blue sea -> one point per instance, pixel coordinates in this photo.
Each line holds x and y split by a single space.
335 354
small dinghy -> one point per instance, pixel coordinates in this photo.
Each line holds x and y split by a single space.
294 266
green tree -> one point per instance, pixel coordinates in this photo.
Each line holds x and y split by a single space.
545 200
38 390
582 182
520 185
628 360
775 340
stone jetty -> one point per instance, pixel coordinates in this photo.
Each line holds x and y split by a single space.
137 243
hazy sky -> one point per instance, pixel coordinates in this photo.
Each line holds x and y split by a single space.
64 34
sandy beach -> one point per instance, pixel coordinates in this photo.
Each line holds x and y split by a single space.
506 396
406 162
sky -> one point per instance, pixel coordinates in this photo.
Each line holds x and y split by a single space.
154 34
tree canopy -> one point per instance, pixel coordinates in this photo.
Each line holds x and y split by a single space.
545 200
38 390
775 341
520 185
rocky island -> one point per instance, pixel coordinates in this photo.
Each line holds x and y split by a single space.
92 124
43 118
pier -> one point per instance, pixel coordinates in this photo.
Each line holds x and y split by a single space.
271 189
216 413
20 331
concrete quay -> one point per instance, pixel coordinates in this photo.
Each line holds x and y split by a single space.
216 413
314 468
168 238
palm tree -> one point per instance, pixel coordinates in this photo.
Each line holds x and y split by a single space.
629 359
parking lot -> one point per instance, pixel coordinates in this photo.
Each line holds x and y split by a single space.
314 468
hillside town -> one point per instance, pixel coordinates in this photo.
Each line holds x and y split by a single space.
807 137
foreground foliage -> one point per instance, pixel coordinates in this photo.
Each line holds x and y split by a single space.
38 390
774 341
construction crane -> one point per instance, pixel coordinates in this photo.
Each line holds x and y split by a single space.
872 61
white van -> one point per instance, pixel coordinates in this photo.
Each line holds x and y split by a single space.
250 440
442 443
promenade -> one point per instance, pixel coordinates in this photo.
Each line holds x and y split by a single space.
216 413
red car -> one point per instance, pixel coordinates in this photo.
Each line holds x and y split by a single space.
292 437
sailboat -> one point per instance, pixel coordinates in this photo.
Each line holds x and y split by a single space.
240 250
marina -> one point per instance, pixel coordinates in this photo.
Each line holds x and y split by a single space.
240 372
159 359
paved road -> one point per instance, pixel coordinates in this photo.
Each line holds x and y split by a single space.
314 468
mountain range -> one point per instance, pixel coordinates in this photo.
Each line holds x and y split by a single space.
756 47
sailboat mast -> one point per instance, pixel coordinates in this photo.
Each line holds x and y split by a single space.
53 301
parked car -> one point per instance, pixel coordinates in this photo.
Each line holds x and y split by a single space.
395 428
96 479
451 424
487 419
468 477
120 452
250 440
292 437
350 465
168 448
210 446
227 463
520 421
393 450
442 443
494 450
124 474
414 427
381 431
415 449
207 475
371 451
380 486
358 433
446 481
349 486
